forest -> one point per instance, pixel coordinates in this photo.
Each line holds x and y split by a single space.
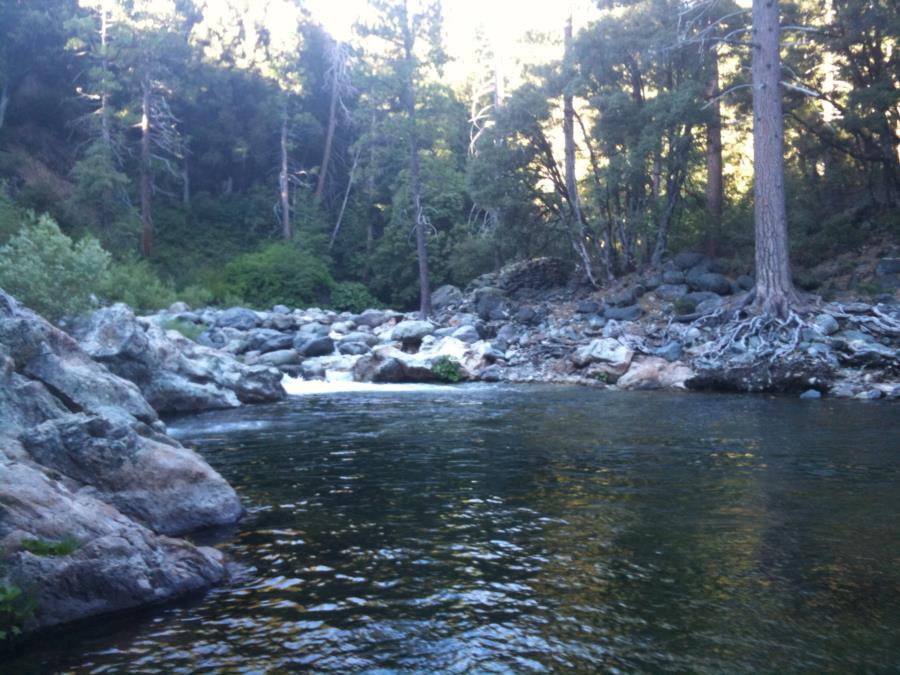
235 152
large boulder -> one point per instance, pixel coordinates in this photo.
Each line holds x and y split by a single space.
445 296
237 317
84 460
175 374
386 363
652 372
412 332
491 303
615 356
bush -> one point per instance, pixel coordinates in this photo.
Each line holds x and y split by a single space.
278 273
15 609
136 284
352 296
46 548
189 330
49 272
447 369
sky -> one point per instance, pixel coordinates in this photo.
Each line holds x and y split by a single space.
507 22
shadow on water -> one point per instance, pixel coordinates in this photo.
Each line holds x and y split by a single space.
536 529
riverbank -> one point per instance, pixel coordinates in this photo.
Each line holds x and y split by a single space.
530 323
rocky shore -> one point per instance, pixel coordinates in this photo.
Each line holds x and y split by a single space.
527 323
93 491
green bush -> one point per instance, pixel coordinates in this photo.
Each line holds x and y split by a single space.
196 296
447 369
49 272
352 296
279 273
189 330
136 284
47 548
15 608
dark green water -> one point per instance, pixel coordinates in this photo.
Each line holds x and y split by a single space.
537 529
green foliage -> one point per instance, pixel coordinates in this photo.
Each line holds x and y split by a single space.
136 284
196 296
352 296
447 369
47 548
15 609
188 329
49 272
279 273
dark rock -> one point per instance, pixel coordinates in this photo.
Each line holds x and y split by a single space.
445 296
746 282
624 298
490 303
527 315
671 351
708 306
280 358
712 282
632 313
786 377
673 277
237 317
827 324
671 292
535 274
588 307
358 336
372 318
467 334
653 281
261 336
687 259
317 346
412 332
493 373
353 348
887 267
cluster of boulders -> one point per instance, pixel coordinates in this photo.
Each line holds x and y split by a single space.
92 490
528 322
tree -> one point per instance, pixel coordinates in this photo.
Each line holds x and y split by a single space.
774 293
400 26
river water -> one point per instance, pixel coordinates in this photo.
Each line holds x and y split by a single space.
535 529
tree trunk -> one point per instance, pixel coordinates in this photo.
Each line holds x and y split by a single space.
715 191
680 149
578 236
146 188
287 231
414 177
185 182
104 93
4 102
340 218
775 292
329 136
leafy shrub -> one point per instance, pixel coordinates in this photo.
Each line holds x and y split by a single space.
15 608
136 284
190 330
49 272
447 369
196 296
44 547
352 296
278 273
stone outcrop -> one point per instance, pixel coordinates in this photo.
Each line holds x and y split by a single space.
84 460
173 373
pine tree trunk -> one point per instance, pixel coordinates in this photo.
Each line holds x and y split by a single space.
146 188
104 93
287 231
775 292
569 142
329 138
715 191
414 172
4 102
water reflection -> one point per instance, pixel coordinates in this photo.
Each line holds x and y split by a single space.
537 530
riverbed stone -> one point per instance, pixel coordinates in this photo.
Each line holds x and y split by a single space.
237 317
632 313
827 324
412 332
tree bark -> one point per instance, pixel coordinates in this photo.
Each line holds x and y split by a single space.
146 187
329 136
287 230
105 132
340 218
715 191
775 292
578 236
414 177
4 102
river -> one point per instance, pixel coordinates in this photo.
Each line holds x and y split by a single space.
496 528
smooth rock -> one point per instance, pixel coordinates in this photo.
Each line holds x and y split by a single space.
623 313
237 317
811 394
